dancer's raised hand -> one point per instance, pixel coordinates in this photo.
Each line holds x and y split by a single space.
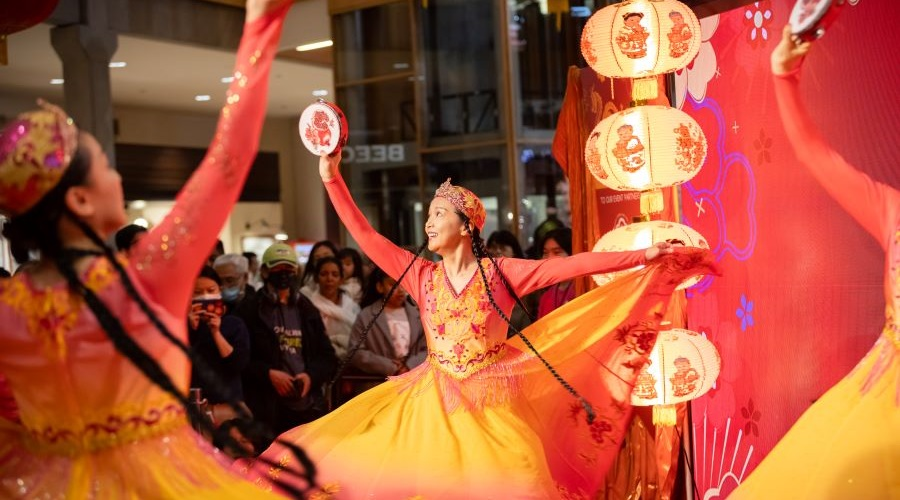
661 248
789 52
329 165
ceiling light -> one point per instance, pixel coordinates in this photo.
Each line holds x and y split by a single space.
118 64
201 98
320 93
282 236
227 79
137 205
57 81
314 45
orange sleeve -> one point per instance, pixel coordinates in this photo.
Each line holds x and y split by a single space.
169 257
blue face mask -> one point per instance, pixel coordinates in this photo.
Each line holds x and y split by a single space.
231 294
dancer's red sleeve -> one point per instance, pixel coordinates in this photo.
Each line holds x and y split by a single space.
383 252
526 276
874 205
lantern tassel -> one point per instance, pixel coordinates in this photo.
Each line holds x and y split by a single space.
652 202
644 89
665 415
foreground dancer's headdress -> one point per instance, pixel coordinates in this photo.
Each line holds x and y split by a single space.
463 200
35 151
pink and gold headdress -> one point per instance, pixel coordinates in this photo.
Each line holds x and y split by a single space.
35 151
463 200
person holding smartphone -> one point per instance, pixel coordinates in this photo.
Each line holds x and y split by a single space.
222 341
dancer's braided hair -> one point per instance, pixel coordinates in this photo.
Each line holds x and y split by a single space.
481 252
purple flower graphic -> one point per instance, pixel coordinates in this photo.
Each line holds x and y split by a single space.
745 313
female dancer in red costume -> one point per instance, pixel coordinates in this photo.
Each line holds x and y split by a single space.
847 444
92 344
483 417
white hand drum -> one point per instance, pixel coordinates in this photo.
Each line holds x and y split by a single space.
810 18
323 128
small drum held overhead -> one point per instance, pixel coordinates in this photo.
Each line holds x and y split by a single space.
810 18
323 128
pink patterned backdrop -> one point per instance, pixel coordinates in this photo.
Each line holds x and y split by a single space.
801 299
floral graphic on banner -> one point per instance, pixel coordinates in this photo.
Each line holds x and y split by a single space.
759 18
745 313
752 415
694 78
762 145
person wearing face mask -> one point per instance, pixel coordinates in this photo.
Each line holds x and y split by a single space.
291 357
232 270
222 341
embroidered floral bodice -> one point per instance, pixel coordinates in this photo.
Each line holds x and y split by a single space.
460 341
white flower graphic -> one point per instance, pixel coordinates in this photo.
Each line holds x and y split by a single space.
759 19
695 77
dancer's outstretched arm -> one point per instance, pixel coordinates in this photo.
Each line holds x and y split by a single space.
383 252
528 275
177 248
874 205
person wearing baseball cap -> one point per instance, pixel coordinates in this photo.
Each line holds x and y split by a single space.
291 355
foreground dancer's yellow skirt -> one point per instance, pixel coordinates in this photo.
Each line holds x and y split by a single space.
847 445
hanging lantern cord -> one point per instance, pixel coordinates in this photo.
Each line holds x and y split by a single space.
687 463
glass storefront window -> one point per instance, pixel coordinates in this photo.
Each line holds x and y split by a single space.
372 42
544 200
543 48
388 197
461 57
379 113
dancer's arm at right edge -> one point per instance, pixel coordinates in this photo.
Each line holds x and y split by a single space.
383 252
872 204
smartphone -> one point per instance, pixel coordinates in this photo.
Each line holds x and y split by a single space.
209 306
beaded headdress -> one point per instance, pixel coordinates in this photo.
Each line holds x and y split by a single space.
35 151
463 200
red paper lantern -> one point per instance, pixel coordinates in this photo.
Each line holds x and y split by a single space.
20 15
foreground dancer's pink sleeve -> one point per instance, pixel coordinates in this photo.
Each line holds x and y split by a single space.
383 252
874 205
170 255
525 276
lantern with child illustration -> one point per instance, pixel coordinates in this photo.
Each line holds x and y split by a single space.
646 148
641 38
683 365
